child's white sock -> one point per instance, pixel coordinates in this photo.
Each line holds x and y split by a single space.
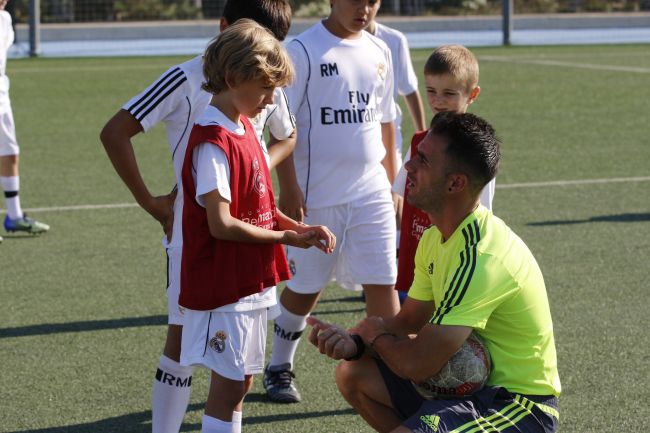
10 186
171 394
214 425
287 330
236 422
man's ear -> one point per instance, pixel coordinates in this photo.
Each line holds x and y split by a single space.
457 182
223 24
474 94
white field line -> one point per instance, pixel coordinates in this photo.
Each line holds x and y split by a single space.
499 186
591 66
573 182
130 67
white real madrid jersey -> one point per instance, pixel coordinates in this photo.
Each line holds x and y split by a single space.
176 99
6 39
406 82
342 92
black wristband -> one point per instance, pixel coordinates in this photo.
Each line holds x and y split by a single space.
361 347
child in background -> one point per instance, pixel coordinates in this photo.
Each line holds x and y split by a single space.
406 84
15 220
232 233
451 80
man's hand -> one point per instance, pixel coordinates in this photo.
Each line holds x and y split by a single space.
292 203
162 209
369 328
331 340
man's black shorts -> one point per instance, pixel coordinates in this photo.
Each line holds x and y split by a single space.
492 409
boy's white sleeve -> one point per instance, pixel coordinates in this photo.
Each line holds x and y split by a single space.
7 35
281 121
295 93
159 100
407 81
212 171
399 184
387 107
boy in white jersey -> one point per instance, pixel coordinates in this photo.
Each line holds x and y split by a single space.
177 99
406 82
345 160
231 230
15 220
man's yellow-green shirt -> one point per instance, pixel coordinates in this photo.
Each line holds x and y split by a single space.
486 278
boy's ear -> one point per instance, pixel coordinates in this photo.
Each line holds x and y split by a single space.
223 24
474 94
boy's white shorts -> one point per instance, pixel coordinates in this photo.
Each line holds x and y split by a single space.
365 246
8 144
174 311
229 343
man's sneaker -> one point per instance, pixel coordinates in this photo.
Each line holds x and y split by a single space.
278 382
0 239
25 224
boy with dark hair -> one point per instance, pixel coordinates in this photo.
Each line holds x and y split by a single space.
177 99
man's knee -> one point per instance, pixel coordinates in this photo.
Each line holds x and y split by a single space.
349 378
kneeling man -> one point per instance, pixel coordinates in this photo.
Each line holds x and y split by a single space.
472 273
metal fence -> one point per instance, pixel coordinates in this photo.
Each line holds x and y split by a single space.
69 11
137 20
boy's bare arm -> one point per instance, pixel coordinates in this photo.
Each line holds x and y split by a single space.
324 239
389 161
416 109
279 150
224 226
292 201
116 138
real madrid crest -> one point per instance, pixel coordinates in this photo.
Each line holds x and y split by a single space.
218 342
381 70
292 267
258 179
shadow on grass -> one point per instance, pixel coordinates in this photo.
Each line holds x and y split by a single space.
99 325
326 313
140 422
353 298
620 218
88 325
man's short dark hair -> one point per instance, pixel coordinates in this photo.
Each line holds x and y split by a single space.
275 15
471 144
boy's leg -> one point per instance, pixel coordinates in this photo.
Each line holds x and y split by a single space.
223 407
15 220
231 345
311 270
287 329
172 385
381 300
368 252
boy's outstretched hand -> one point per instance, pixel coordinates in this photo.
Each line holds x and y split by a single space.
331 340
304 236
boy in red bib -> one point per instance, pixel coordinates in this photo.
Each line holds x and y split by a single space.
232 257
451 81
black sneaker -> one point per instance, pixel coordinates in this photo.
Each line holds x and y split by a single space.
278 382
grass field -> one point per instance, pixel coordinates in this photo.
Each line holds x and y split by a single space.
83 307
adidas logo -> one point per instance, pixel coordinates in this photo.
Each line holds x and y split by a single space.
431 421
